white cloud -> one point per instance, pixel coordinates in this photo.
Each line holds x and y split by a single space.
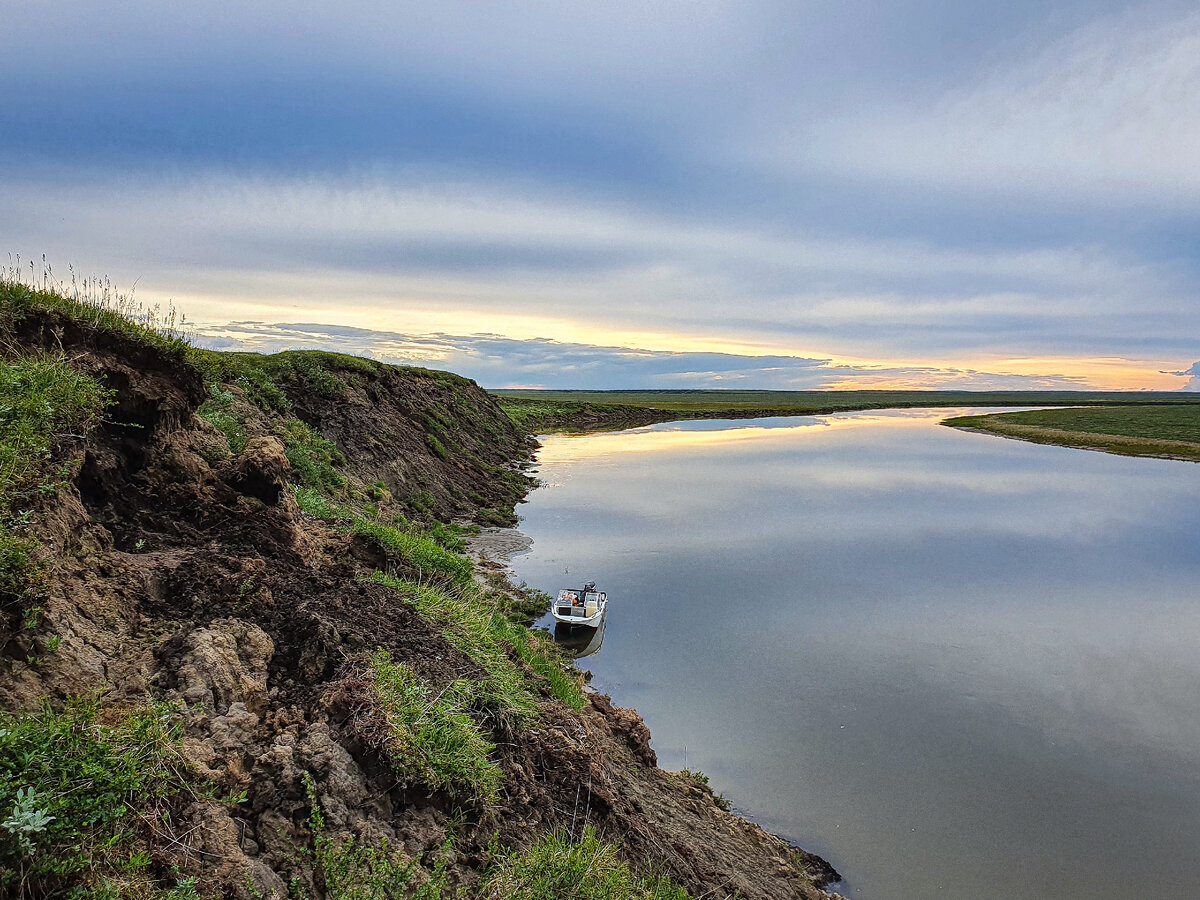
1113 109
496 361
1193 382
396 243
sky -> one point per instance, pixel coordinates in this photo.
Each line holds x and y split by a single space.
654 194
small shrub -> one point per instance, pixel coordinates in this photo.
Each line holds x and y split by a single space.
495 518
312 456
427 735
451 536
558 868
700 780
352 871
218 411
422 502
379 492
77 796
21 578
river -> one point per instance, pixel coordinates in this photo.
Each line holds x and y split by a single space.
954 665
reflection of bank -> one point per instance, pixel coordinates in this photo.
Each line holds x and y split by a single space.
579 642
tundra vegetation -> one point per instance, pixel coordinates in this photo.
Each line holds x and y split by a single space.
88 791
549 410
1162 430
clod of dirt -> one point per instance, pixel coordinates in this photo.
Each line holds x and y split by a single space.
261 470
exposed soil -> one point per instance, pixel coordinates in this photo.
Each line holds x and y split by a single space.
176 578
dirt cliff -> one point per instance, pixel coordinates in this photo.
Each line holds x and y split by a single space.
262 552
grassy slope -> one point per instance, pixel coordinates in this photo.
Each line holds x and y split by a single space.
551 410
1171 431
93 843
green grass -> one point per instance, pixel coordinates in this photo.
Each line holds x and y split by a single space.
351 870
535 410
44 405
42 401
266 380
219 410
1135 430
801 401
406 544
528 413
417 550
558 868
313 458
430 737
96 302
501 693
479 629
79 793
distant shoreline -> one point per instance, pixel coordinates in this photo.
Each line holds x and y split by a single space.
545 411
1147 444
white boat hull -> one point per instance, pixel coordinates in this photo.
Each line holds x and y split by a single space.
581 608
571 618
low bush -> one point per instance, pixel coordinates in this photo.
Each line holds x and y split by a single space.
44 403
312 456
559 868
350 870
428 736
700 780
86 796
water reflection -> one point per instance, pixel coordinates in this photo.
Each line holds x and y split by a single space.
579 641
945 660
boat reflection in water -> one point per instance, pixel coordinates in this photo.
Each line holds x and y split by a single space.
579 641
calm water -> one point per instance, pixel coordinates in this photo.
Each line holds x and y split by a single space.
955 665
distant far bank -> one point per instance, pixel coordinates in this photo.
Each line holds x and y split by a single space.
543 411
1167 431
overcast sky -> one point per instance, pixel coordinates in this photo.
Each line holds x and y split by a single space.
631 194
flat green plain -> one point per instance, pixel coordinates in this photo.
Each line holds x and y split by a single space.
1133 423
1169 430
801 402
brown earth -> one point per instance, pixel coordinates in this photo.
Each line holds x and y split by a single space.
178 578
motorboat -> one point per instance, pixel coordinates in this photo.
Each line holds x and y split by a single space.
580 607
